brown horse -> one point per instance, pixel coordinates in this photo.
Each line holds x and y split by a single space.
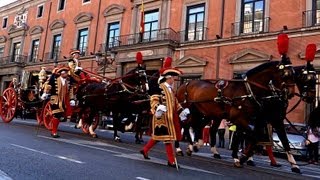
241 101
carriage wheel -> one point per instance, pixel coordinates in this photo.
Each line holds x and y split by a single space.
39 116
86 121
8 105
47 116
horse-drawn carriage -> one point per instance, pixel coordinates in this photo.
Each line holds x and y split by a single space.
23 97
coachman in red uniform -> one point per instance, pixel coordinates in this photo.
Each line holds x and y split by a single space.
165 108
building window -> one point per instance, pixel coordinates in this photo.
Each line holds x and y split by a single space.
4 22
195 23
1 51
151 20
252 16
40 11
85 1
316 12
61 5
113 34
56 46
82 41
16 52
34 50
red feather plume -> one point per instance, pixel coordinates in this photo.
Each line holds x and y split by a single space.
310 52
283 43
139 58
167 62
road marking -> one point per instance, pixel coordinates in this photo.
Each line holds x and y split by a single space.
138 157
83 145
142 178
47 154
4 176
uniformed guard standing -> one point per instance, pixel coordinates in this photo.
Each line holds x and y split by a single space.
165 108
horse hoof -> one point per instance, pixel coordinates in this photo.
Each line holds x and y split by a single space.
188 152
217 156
251 163
195 148
117 139
138 141
179 153
76 127
94 135
296 170
237 165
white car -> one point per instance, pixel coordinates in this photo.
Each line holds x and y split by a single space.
296 136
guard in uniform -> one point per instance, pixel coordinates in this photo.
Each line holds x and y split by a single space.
165 108
58 88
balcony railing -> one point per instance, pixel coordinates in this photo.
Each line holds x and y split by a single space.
33 59
311 18
13 59
193 35
148 36
51 56
249 27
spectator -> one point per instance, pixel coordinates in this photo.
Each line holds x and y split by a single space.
221 132
206 134
313 144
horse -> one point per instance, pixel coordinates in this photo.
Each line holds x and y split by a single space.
241 101
305 78
116 96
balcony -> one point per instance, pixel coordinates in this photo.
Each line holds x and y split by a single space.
13 59
250 27
311 18
33 59
159 35
51 56
193 35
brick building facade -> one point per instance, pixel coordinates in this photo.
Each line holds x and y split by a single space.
206 38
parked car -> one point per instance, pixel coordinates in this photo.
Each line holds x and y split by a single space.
296 137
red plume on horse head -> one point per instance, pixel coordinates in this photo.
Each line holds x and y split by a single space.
310 52
139 58
283 43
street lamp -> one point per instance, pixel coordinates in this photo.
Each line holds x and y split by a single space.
105 60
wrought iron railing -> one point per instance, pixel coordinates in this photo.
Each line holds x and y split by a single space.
167 34
311 18
247 27
51 56
193 35
13 59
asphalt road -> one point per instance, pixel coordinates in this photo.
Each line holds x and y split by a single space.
28 152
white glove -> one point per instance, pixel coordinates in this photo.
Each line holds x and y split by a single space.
44 96
183 115
72 103
160 110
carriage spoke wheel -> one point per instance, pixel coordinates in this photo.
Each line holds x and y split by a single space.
39 114
47 116
86 122
8 105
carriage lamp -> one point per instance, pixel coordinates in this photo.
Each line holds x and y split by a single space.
103 59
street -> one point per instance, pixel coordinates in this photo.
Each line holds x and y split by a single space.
29 152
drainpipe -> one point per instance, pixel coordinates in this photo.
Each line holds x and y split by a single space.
46 35
221 35
96 34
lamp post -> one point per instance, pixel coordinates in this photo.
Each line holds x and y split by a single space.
105 60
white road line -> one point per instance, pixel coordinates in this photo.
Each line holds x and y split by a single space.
4 176
47 154
142 178
78 144
138 157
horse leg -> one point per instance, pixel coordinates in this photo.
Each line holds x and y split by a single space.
81 113
91 130
234 146
138 129
279 126
213 133
116 122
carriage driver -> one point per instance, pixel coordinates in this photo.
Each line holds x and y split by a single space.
165 108
58 87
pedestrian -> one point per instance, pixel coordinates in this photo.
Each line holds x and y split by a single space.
313 144
57 87
221 131
165 107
